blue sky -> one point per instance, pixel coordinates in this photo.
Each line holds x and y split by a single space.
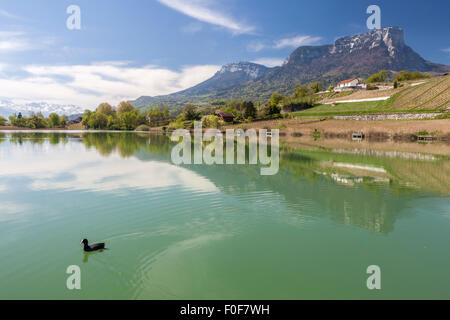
149 47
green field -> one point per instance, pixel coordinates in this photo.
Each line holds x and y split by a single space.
431 96
344 108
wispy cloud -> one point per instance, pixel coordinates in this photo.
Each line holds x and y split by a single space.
13 41
256 46
269 62
9 15
202 11
296 41
88 85
446 50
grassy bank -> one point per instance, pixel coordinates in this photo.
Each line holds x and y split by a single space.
432 95
344 128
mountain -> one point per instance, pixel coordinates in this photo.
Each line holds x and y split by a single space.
352 56
8 107
228 76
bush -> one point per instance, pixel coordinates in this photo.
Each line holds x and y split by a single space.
143 127
178 124
408 75
211 121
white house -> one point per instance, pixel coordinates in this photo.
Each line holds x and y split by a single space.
348 83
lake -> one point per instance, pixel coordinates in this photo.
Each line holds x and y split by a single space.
221 231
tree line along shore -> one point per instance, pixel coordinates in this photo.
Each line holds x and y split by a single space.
432 94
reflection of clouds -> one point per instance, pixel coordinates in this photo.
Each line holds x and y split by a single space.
10 211
361 167
2 188
72 167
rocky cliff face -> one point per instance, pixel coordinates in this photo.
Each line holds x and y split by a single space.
357 56
246 70
230 75
391 38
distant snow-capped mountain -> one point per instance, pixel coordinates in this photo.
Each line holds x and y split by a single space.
8 107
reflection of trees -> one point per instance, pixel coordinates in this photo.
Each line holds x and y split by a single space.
38 138
125 143
301 179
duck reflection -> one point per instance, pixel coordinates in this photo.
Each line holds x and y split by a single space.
86 255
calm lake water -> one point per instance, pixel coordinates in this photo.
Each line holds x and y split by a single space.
219 232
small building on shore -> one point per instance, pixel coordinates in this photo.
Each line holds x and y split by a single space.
225 116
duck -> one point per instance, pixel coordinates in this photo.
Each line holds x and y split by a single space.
92 247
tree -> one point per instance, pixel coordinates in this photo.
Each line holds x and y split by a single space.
36 121
105 108
123 107
86 116
276 99
271 109
395 84
190 112
17 121
54 120
248 109
3 121
300 91
128 120
331 88
98 121
378 77
63 120
316 86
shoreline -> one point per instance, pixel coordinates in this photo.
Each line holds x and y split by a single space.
372 129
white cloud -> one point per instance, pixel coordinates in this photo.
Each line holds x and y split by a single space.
255 46
446 50
296 41
88 85
269 62
200 10
13 41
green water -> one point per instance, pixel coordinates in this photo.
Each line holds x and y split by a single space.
218 232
